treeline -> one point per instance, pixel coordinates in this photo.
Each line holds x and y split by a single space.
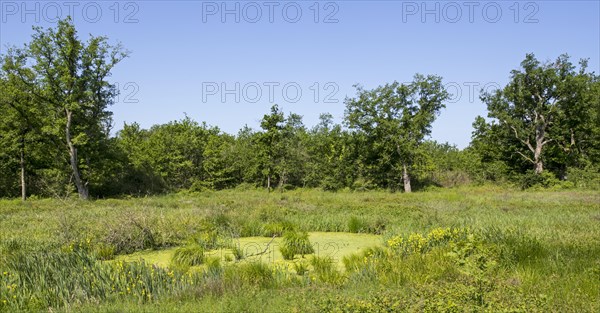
542 129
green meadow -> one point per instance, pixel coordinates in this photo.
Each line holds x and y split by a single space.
476 249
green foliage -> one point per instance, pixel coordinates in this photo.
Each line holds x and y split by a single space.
361 225
588 177
178 155
356 225
362 184
70 79
213 265
295 243
280 151
60 279
380 302
476 249
132 232
544 180
187 256
254 274
277 229
238 253
515 247
301 267
207 240
545 118
324 270
470 249
55 134
395 119
104 251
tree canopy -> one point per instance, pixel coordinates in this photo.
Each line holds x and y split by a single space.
55 133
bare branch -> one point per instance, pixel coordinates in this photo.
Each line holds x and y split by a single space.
525 142
547 141
526 157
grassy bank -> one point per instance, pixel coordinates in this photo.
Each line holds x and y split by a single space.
482 249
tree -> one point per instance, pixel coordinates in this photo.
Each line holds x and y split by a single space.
281 153
217 165
544 105
396 118
175 152
20 125
245 155
270 149
331 162
71 80
138 177
291 164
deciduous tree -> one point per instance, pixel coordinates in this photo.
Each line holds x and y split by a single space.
397 118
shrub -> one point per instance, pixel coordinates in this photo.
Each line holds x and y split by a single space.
588 177
245 187
295 243
362 184
544 180
331 184
418 243
376 301
132 233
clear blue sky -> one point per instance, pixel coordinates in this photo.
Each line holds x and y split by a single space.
181 50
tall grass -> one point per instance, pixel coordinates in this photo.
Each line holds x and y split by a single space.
471 249
295 243
187 256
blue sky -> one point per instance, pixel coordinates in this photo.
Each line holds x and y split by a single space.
183 53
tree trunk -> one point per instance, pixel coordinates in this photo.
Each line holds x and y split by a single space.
406 178
81 186
539 167
23 174
537 159
269 183
539 144
281 181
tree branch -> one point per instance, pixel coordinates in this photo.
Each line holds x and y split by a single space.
525 142
526 157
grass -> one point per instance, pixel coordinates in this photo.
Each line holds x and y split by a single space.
513 250
188 256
